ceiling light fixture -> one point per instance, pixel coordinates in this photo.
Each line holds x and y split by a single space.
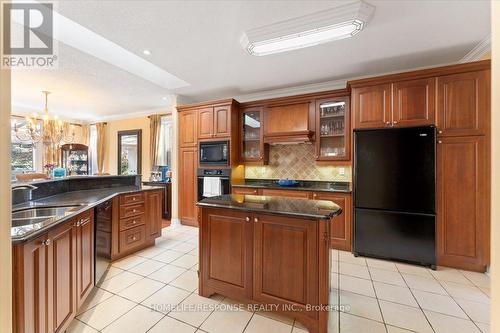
147 52
318 28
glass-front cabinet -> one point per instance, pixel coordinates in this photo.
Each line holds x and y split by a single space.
253 148
75 159
332 129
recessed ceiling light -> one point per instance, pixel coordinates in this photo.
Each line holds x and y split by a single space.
147 52
164 98
309 30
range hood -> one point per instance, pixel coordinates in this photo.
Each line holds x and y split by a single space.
286 124
287 138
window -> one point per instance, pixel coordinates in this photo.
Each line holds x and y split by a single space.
26 156
165 144
93 149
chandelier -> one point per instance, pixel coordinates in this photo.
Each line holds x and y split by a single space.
51 131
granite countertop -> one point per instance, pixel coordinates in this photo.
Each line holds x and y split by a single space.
304 185
311 209
76 177
86 199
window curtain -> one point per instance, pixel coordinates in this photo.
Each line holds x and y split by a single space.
101 146
51 150
165 144
86 135
154 133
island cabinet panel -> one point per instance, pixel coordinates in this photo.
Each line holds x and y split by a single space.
188 162
62 275
414 102
341 225
464 103
30 285
462 204
246 190
153 214
84 257
206 123
188 128
286 260
286 193
227 245
372 106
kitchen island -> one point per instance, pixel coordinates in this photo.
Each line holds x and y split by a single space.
271 251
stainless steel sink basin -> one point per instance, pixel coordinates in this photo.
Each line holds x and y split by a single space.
39 214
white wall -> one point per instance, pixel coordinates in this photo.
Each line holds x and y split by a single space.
5 206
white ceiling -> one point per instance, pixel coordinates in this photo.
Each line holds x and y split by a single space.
198 42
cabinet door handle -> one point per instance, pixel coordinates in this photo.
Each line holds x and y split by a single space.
247 219
134 210
440 132
134 222
315 195
394 122
46 242
133 238
134 199
255 219
440 141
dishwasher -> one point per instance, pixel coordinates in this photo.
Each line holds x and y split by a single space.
102 251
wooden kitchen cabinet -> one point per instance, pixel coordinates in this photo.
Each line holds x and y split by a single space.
414 102
371 106
253 148
333 125
464 103
463 203
214 122
52 276
206 123
188 128
289 122
246 190
283 244
341 225
286 193
188 182
153 214
226 240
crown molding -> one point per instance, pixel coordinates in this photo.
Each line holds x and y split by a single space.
479 51
138 114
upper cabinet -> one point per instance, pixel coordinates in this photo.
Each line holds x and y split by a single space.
252 138
372 106
188 129
414 102
333 129
206 123
214 122
289 122
463 103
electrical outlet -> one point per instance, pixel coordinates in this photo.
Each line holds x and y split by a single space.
341 171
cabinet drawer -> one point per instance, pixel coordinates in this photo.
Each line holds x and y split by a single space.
286 193
245 190
131 222
131 210
132 238
131 198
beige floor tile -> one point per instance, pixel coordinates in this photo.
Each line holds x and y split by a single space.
348 257
168 256
194 252
396 294
150 252
171 325
195 268
141 290
424 284
381 264
478 279
485 290
96 296
186 261
166 243
450 275
261 324
227 319
183 247
333 322
470 293
362 306
478 312
147 267
448 324
187 281
334 267
405 317
120 282
128 262
295 329
393 329
106 312
350 323
360 271
165 299
111 272
484 327
77 326
385 276
356 285
414 269
195 309
438 303
167 273
139 319
334 281
276 316
334 255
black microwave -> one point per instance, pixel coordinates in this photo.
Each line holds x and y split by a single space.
214 153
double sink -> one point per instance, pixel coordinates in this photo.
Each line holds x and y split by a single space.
33 215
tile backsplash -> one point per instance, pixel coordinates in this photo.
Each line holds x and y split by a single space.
296 162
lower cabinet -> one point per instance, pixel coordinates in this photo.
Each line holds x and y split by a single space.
153 214
463 203
341 225
52 276
188 185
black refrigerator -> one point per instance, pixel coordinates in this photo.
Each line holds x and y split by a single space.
395 194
